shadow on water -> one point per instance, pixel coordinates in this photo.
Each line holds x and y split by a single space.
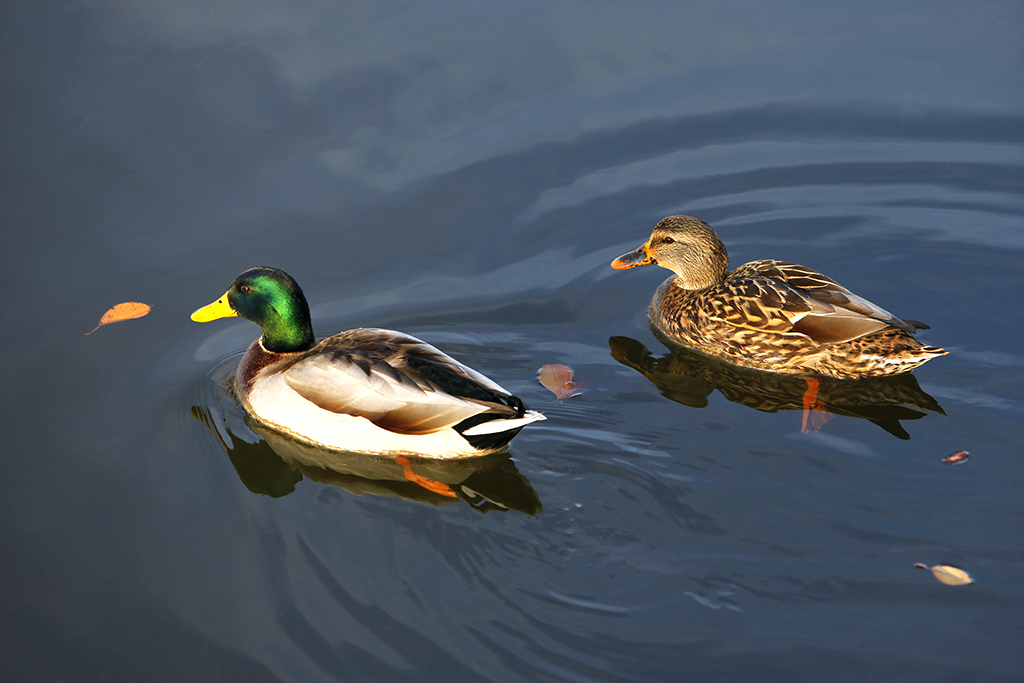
689 377
275 465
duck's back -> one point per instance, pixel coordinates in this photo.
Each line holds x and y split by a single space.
781 316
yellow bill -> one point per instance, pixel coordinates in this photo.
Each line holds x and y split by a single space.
218 309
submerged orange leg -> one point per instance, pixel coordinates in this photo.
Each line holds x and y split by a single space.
428 484
822 416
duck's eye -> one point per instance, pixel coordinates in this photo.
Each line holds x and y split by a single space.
667 240
244 289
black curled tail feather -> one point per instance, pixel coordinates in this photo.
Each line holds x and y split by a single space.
511 401
488 442
517 403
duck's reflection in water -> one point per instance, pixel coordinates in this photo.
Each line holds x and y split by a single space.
274 466
689 377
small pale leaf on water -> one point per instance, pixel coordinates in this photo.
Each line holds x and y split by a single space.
951 576
558 380
126 311
954 458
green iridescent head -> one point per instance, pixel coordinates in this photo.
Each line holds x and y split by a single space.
273 300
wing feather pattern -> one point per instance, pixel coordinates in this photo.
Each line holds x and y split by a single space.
396 381
784 297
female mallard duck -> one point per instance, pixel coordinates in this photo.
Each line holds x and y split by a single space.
365 390
770 315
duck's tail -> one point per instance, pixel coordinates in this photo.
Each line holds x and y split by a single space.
498 424
912 358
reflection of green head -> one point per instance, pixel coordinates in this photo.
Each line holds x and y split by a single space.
273 300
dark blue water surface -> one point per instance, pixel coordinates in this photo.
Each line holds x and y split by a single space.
464 172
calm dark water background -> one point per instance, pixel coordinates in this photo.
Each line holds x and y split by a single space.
465 172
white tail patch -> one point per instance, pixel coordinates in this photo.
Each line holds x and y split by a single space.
498 426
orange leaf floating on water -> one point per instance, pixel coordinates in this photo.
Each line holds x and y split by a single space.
428 484
126 311
820 415
951 576
558 380
954 458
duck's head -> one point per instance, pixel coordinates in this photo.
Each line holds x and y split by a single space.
688 247
273 300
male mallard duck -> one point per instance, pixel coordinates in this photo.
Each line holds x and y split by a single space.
365 390
770 315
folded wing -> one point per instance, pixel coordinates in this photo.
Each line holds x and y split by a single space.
785 297
396 381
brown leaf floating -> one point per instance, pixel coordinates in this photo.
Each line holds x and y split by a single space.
558 380
129 310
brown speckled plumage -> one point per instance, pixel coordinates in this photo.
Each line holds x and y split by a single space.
770 315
